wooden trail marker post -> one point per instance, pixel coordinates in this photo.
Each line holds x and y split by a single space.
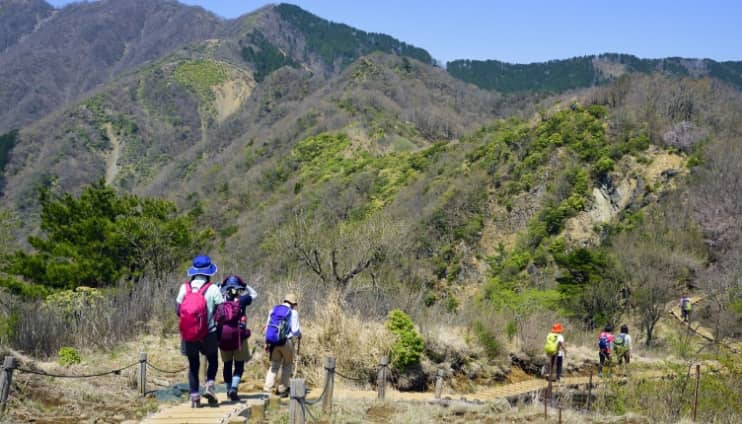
439 384
381 378
6 378
142 373
329 385
297 392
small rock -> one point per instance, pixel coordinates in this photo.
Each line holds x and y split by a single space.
118 417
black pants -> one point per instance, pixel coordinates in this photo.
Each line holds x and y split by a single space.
209 347
605 359
239 368
555 365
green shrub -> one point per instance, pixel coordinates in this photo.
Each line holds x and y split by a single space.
492 347
409 346
69 356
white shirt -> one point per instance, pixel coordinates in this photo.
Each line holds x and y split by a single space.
560 339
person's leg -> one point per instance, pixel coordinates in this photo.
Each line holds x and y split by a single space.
287 365
240 356
270 376
559 361
227 359
194 362
190 351
210 348
601 356
552 365
227 374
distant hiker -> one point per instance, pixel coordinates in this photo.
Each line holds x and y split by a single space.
622 345
686 306
555 349
281 329
231 321
605 347
197 299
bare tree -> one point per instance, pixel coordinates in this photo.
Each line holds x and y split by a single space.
339 253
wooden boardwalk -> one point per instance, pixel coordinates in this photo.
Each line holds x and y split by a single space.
227 412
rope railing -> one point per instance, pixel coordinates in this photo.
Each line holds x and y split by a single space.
100 374
164 371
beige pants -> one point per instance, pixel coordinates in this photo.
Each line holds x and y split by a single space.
282 357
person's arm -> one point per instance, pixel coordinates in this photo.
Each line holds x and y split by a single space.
179 299
295 330
247 298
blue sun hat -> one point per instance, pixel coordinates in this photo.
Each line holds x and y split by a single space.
202 266
233 281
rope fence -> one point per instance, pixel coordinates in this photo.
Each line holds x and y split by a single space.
299 405
10 365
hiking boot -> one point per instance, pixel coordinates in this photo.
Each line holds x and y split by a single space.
195 400
283 394
210 393
232 395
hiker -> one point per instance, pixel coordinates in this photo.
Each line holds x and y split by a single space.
555 349
197 299
281 329
605 347
231 321
622 345
685 307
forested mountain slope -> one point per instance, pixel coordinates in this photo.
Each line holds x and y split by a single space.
557 76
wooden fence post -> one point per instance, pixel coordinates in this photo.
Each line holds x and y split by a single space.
695 393
297 393
381 378
142 373
329 384
6 378
590 390
439 384
547 396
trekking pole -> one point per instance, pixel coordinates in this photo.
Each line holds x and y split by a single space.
296 357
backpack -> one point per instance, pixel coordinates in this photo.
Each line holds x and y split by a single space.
604 342
619 342
232 325
228 313
278 328
552 344
194 314
687 305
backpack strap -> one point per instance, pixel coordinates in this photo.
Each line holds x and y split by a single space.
203 288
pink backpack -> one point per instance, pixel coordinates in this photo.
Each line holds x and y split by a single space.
194 314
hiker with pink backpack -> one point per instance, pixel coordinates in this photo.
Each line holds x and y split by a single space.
233 332
196 302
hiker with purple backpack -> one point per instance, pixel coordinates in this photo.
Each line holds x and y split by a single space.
196 302
233 331
281 329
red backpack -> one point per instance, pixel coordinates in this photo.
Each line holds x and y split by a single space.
194 314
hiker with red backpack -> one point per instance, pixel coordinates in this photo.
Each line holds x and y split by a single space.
605 347
281 330
233 332
196 302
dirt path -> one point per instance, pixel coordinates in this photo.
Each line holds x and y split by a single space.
697 328
112 168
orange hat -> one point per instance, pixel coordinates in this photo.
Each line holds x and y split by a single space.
557 328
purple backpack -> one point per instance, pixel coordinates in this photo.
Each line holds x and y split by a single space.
277 331
233 325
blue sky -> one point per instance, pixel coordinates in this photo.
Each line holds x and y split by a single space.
533 31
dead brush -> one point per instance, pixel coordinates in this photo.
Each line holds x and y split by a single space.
357 344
